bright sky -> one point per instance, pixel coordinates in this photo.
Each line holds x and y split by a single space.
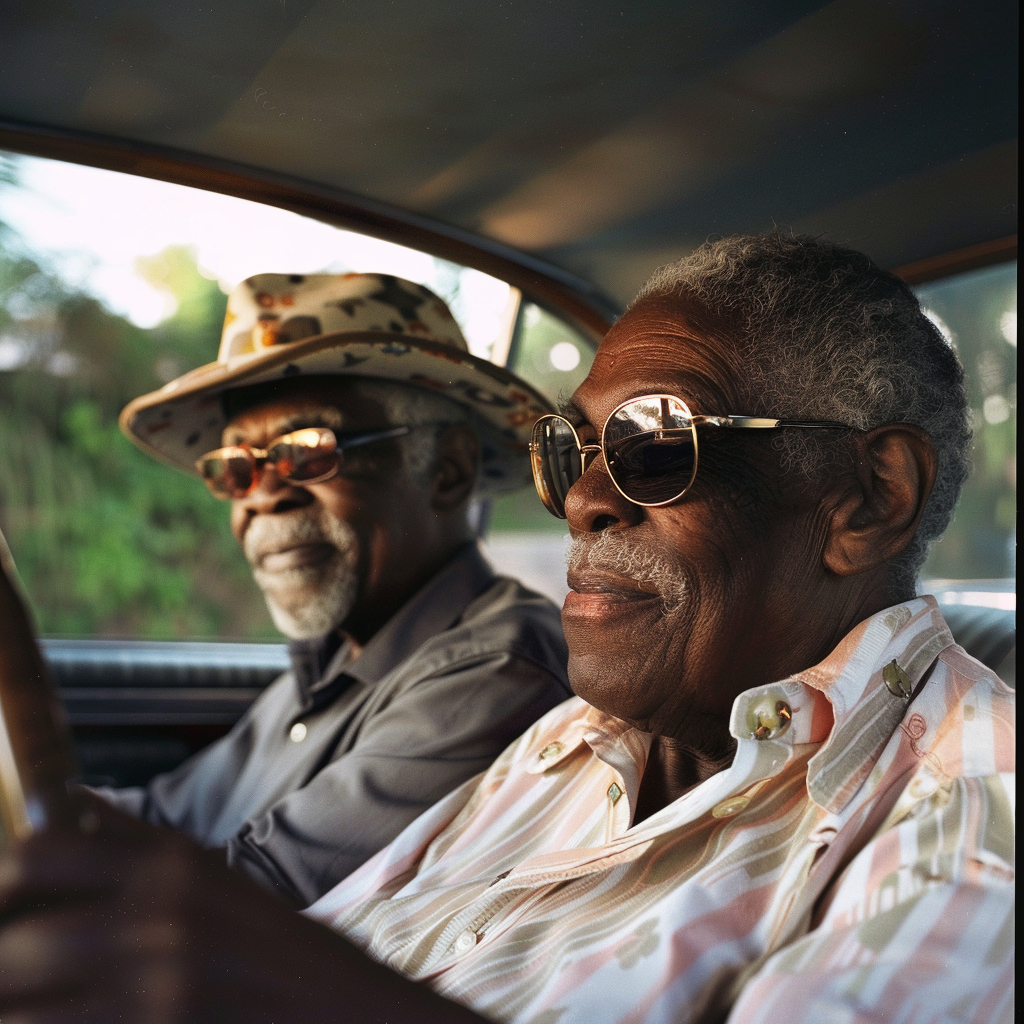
95 223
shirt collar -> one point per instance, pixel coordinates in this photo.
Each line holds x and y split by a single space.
310 658
613 741
870 680
435 607
849 704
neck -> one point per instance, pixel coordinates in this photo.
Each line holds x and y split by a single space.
371 615
674 767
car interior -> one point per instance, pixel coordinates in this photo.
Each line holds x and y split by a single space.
531 163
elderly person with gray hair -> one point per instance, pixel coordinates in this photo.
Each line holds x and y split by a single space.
782 793
352 431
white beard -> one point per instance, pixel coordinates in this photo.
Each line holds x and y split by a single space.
307 601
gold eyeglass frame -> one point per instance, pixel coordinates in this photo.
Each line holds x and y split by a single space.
732 420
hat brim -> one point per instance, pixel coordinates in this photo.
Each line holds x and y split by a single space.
185 418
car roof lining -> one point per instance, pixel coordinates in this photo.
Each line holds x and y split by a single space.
580 142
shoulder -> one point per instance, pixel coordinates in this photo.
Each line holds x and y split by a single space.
506 600
507 624
959 736
943 789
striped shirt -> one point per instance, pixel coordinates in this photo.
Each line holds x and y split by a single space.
854 863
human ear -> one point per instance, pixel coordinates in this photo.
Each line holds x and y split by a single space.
880 507
458 453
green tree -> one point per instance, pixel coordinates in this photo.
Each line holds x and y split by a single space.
109 542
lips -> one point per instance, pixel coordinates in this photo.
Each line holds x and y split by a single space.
294 556
598 594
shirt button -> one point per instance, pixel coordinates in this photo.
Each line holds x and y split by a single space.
466 941
896 680
298 732
550 751
768 719
727 808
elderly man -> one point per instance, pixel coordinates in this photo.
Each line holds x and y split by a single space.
783 793
351 429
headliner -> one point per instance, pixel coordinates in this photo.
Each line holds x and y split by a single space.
604 138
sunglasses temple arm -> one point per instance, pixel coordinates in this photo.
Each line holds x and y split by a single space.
737 422
763 423
382 435
815 425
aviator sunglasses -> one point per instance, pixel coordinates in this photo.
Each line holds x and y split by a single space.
307 456
649 445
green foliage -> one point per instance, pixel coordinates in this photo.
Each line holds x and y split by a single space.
107 541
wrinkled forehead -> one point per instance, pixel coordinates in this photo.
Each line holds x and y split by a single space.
663 344
264 411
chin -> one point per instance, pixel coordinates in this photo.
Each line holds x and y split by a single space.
312 612
591 679
628 673
301 626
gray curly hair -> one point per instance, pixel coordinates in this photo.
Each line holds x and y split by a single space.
826 334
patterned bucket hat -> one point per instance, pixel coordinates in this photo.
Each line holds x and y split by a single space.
282 326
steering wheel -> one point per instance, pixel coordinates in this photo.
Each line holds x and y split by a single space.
35 750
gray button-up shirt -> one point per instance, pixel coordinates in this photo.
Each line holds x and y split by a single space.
338 755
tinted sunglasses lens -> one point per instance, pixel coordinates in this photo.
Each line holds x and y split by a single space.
305 455
556 461
229 472
650 449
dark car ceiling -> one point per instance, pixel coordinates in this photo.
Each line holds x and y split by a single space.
606 138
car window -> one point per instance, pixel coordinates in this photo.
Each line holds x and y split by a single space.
977 313
111 285
524 539
548 353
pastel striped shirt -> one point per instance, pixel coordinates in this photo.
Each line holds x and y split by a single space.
853 864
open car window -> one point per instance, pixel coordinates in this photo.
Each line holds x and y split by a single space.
111 285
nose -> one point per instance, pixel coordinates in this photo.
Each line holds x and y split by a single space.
594 503
272 495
